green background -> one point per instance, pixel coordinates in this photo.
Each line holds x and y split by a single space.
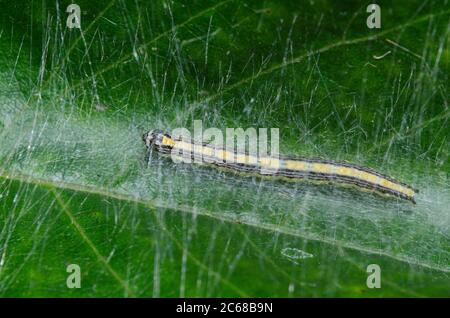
75 187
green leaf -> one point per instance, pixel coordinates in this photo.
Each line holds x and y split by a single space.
75 187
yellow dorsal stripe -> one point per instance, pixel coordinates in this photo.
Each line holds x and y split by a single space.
295 165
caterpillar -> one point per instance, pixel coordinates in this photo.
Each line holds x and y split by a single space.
282 166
